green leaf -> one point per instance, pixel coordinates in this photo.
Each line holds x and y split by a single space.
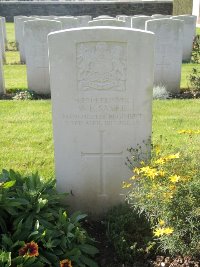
50 256
33 233
44 259
3 225
7 240
8 184
89 262
89 249
77 216
29 262
29 221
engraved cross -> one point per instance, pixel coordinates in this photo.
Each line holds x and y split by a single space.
102 155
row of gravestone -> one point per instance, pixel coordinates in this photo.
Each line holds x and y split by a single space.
173 43
101 81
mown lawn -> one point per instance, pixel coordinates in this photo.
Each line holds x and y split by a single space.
26 132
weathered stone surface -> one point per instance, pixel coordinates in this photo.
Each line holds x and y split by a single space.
168 52
36 49
101 106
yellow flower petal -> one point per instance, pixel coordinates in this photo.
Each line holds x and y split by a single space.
174 178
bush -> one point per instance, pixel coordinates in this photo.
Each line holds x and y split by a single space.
167 189
196 50
129 233
35 229
194 79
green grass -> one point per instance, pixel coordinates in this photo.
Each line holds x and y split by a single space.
10 29
26 137
15 77
173 115
198 31
26 132
12 57
185 72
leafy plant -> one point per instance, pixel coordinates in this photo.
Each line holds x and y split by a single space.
35 228
167 189
129 233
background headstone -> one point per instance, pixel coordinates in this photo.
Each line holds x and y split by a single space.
107 22
189 31
36 48
126 19
83 20
18 30
101 87
168 52
2 83
196 10
2 40
138 22
103 17
68 22
4 30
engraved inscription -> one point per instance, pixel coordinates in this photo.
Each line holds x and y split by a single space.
101 66
102 111
102 156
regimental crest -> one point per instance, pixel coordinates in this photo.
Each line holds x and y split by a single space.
101 66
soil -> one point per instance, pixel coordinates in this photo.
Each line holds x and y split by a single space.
107 256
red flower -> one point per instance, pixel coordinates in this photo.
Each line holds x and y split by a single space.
65 263
30 250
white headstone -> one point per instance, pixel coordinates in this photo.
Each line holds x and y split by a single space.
103 17
189 31
68 22
2 40
4 30
160 16
20 36
126 19
168 52
36 49
18 30
83 20
101 82
107 22
138 22
196 10
2 83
